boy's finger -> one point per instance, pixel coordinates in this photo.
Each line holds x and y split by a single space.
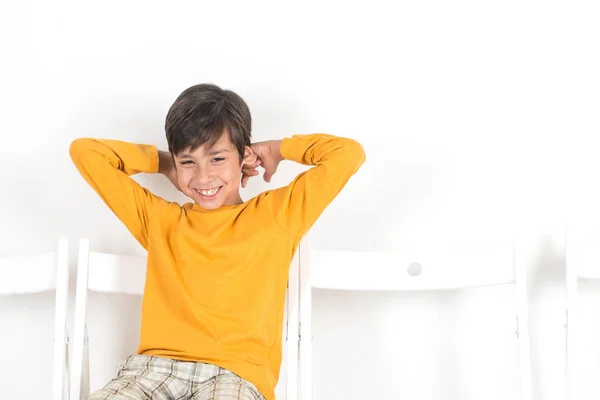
253 165
269 172
251 172
246 174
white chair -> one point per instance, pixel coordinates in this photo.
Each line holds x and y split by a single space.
442 269
582 263
47 272
292 331
103 273
111 273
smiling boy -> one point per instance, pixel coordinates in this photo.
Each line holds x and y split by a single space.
212 310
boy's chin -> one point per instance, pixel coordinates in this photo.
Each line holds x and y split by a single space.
218 202
210 204
208 207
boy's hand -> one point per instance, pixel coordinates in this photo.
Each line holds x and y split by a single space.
268 155
167 167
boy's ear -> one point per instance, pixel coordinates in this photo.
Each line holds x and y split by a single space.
249 156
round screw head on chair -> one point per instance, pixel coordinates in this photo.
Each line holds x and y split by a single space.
414 269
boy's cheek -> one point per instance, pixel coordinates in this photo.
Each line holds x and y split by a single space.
183 182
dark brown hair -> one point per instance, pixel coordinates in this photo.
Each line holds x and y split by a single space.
200 116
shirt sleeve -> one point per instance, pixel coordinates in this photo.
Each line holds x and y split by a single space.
107 165
334 159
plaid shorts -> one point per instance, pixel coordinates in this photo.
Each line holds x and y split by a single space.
150 377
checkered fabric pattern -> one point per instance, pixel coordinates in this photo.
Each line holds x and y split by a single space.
148 377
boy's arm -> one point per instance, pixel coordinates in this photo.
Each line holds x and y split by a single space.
335 159
166 166
106 166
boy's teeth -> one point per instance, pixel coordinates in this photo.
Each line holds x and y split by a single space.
208 192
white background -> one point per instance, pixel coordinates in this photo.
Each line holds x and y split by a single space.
479 120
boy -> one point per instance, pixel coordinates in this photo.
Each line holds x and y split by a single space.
212 310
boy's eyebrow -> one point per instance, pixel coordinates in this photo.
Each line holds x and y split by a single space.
210 153
217 151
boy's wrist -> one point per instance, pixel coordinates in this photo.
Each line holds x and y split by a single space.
275 149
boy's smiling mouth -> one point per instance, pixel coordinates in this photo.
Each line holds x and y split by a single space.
208 193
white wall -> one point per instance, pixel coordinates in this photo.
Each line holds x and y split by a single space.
478 120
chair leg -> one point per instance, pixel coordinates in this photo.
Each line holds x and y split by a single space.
85 375
66 384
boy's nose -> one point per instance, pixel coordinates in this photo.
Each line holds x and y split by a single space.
203 174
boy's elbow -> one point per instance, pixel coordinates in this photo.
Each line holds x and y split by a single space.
355 153
78 147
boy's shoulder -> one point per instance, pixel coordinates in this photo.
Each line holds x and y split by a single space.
265 201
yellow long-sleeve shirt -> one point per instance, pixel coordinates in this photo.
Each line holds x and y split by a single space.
216 279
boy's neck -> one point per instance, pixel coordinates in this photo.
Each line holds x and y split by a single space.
237 200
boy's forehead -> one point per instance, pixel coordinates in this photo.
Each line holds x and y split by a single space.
223 144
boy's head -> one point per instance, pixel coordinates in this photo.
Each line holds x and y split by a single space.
209 131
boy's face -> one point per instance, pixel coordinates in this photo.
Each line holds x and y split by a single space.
211 177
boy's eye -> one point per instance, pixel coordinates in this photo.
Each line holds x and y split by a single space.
218 159
185 162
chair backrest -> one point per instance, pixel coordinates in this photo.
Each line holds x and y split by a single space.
104 273
418 270
582 262
112 273
47 272
439 269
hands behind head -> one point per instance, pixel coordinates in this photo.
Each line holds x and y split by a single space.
166 167
264 154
